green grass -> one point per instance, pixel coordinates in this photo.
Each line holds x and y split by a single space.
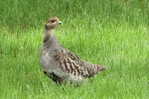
113 33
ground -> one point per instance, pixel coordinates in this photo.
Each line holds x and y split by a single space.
111 33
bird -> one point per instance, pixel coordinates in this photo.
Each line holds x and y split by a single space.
60 64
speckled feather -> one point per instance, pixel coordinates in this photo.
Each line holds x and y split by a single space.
71 63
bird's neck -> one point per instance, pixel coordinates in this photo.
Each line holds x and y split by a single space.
50 40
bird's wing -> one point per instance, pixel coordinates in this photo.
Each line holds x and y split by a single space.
72 64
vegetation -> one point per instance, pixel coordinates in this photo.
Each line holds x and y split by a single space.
114 33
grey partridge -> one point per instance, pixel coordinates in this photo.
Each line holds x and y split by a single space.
59 63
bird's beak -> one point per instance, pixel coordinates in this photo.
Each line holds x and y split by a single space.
60 22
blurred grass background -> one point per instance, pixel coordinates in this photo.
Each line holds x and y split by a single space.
114 33
32 13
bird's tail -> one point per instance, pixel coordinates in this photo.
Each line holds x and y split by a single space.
100 68
95 69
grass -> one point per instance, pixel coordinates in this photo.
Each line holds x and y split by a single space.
113 33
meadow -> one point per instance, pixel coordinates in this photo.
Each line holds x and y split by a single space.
114 33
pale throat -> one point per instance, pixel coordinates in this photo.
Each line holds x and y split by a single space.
49 32
51 40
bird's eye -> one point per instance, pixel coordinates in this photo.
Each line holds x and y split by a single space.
52 21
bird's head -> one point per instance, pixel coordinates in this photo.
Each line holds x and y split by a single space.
52 23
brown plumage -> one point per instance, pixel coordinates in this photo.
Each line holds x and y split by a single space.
59 63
